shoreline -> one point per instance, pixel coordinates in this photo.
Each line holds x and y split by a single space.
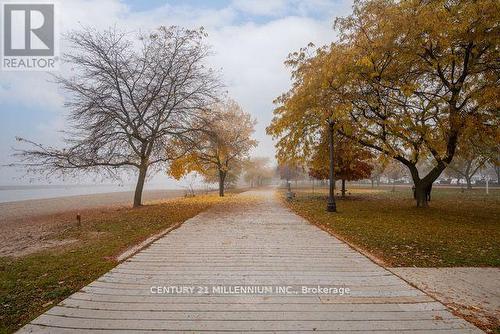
38 192
55 205
30 225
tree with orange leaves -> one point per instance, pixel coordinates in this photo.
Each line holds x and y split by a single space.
353 162
219 148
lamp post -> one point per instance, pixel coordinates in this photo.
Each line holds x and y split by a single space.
331 206
289 194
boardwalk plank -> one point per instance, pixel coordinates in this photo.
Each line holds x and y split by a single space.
261 243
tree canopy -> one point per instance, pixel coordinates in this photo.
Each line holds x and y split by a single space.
130 101
220 148
353 162
257 172
405 79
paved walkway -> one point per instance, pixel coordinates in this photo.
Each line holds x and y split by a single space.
473 292
256 243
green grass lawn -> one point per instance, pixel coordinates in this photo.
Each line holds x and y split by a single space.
458 229
31 284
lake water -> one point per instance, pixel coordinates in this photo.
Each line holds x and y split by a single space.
26 192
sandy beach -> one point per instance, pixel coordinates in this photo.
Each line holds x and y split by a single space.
27 226
37 207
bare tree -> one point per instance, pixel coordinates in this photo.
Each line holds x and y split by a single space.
467 168
130 101
492 166
495 164
473 154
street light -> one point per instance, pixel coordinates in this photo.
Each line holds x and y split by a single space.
331 206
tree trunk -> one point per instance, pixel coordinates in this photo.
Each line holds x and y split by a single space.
140 185
468 174
373 183
423 187
343 187
421 195
469 183
497 170
222 177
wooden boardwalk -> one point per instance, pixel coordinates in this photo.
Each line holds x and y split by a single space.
258 244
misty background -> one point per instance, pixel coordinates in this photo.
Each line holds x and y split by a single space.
250 40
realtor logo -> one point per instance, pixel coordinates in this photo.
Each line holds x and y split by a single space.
28 37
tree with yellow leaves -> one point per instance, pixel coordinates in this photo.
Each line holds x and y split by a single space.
220 146
406 79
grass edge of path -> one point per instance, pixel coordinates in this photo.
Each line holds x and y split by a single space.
32 284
